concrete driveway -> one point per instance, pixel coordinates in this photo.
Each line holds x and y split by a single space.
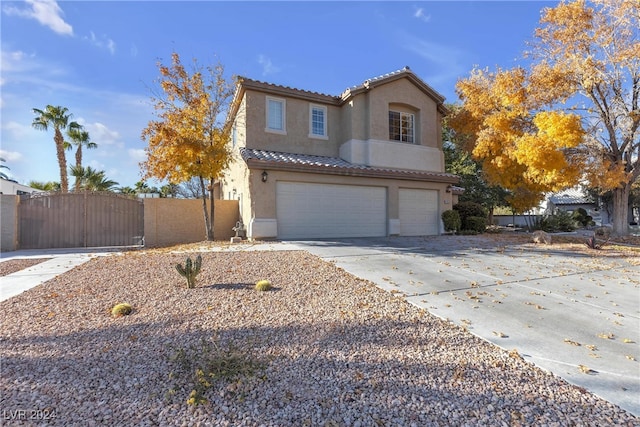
575 315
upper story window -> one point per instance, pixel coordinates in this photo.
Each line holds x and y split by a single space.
317 121
401 126
276 115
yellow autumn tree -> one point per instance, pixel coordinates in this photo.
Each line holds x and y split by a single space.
189 138
522 148
573 114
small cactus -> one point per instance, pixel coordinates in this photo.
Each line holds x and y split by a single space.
263 285
190 270
122 309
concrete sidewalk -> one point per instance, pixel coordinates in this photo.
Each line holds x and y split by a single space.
59 261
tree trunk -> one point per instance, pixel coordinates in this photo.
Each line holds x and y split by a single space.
212 207
62 161
78 165
207 224
621 210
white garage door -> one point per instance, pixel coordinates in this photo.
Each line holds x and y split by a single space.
324 210
418 212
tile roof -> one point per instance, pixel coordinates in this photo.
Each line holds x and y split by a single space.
333 165
571 196
258 84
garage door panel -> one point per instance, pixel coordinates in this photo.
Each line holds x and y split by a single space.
418 212
307 210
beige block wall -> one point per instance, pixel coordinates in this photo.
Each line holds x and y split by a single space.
9 222
175 221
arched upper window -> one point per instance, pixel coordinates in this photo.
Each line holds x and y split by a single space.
402 123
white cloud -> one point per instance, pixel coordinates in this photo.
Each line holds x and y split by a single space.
419 13
101 134
267 65
101 42
15 129
10 156
46 12
16 60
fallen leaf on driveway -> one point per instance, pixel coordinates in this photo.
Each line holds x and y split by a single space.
586 370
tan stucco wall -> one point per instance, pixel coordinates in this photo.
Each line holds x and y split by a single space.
404 92
296 139
362 119
9 222
175 221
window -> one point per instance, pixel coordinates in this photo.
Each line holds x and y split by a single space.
317 121
401 126
275 115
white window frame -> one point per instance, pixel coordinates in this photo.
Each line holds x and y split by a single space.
403 116
324 121
283 102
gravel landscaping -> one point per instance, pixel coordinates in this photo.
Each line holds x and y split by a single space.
322 348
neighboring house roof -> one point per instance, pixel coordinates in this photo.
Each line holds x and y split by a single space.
571 196
333 165
244 83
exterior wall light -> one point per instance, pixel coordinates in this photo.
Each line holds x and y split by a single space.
265 175
448 190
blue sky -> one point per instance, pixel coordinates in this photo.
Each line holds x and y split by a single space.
99 59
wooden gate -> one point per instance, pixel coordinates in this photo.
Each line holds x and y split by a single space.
75 220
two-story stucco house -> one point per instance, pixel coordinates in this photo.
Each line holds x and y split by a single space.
366 163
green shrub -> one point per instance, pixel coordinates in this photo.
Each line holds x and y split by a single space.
451 220
263 285
122 309
475 223
468 210
190 270
560 221
581 217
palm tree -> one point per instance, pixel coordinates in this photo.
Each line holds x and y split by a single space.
44 186
98 181
127 190
58 118
2 174
79 138
92 180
